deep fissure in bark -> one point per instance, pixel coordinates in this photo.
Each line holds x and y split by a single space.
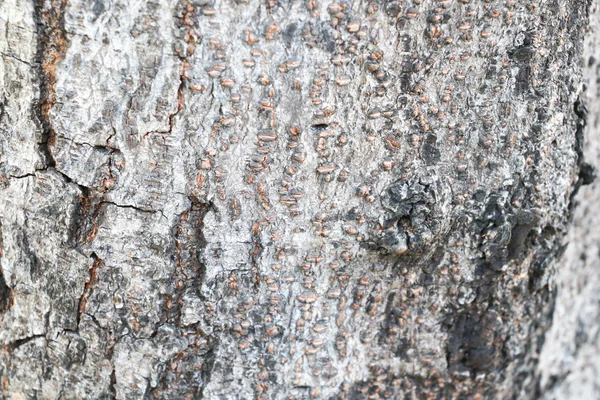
51 47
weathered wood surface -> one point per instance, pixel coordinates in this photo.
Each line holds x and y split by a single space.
241 199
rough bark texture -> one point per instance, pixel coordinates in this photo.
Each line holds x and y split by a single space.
238 199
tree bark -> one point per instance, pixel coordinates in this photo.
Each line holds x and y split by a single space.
238 199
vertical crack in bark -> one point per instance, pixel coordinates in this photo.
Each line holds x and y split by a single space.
191 368
190 271
113 383
79 218
112 390
89 287
51 48
180 104
189 238
182 55
207 369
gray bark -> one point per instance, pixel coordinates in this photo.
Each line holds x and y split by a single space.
238 199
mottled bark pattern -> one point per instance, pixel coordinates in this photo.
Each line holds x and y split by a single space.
234 199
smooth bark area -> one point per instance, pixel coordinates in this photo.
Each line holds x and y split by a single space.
233 199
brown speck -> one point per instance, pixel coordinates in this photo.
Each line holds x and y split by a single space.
326 168
353 26
343 80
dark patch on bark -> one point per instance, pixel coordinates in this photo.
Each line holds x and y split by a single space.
523 56
6 295
35 266
525 222
478 328
98 8
476 342
430 151
289 33
586 174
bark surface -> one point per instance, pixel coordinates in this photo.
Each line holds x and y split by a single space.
227 199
